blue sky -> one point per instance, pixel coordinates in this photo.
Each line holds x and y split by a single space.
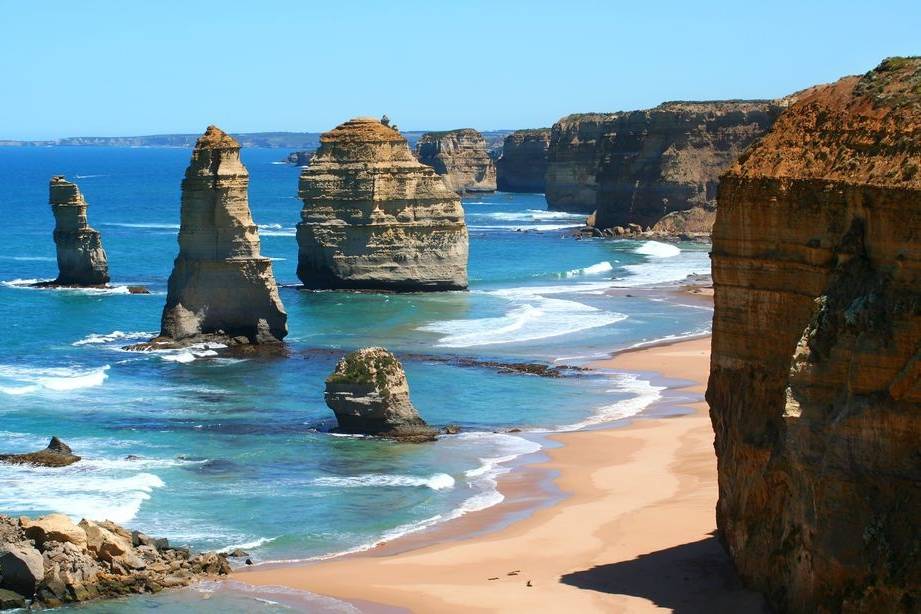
124 68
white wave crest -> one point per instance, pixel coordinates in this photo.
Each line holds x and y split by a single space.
116 335
596 269
438 481
643 394
248 545
657 249
29 284
17 380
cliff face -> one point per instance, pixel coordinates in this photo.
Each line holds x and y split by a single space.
375 218
81 259
524 161
461 157
814 387
638 166
220 284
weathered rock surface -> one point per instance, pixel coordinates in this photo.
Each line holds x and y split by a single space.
638 166
369 394
51 561
299 158
57 454
221 287
461 157
81 259
695 222
523 164
375 218
814 387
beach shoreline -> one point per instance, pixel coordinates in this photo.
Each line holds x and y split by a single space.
626 523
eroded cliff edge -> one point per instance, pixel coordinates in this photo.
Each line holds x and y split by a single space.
461 157
638 166
814 387
523 163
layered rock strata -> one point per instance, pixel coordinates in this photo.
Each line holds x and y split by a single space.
375 218
57 454
221 287
814 387
50 561
461 157
81 259
369 394
523 163
638 166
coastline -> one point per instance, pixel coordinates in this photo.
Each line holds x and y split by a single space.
631 530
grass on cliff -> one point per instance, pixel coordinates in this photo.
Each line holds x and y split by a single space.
366 372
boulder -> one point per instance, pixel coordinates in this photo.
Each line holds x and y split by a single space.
21 568
221 288
814 386
375 218
57 454
369 394
53 528
461 157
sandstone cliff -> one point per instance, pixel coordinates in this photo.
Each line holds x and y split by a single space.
638 166
369 394
220 285
814 387
461 157
81 259
375 218
524 161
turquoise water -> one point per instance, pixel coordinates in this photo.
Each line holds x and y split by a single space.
236 453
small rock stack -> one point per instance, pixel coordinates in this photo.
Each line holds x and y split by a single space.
220 287
461 157
81 259
50 561
369 394
375 218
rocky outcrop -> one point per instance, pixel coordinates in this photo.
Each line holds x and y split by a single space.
461 157
299 158
814 387
375 218
524 161
221 288
638 166
81 259
369 394
696 222
57 454
50 561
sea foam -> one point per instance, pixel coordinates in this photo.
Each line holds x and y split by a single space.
17 380
438 481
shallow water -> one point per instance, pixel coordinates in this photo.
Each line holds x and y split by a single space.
235 453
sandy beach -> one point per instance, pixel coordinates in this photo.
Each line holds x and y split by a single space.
634 531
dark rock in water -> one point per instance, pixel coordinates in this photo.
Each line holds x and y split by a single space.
220 285
299 158
53 561
57 454
238 553
369 394
81 259
524 161
138 290
10 600
451 429
132 457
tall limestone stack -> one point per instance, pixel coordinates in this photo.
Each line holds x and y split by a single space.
637 167
461 157
524 161
375 218
81 259
814 386
220 285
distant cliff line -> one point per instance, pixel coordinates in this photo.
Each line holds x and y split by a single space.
280 140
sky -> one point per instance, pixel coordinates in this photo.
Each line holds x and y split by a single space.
105 68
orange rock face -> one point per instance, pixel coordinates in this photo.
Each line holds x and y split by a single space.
814 385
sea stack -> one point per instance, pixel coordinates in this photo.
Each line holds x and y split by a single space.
81 259
461 157
369 394
637 167
814 386
523 165
221 287
375 218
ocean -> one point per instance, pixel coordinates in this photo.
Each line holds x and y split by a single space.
223 453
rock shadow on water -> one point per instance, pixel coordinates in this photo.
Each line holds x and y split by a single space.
692 578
